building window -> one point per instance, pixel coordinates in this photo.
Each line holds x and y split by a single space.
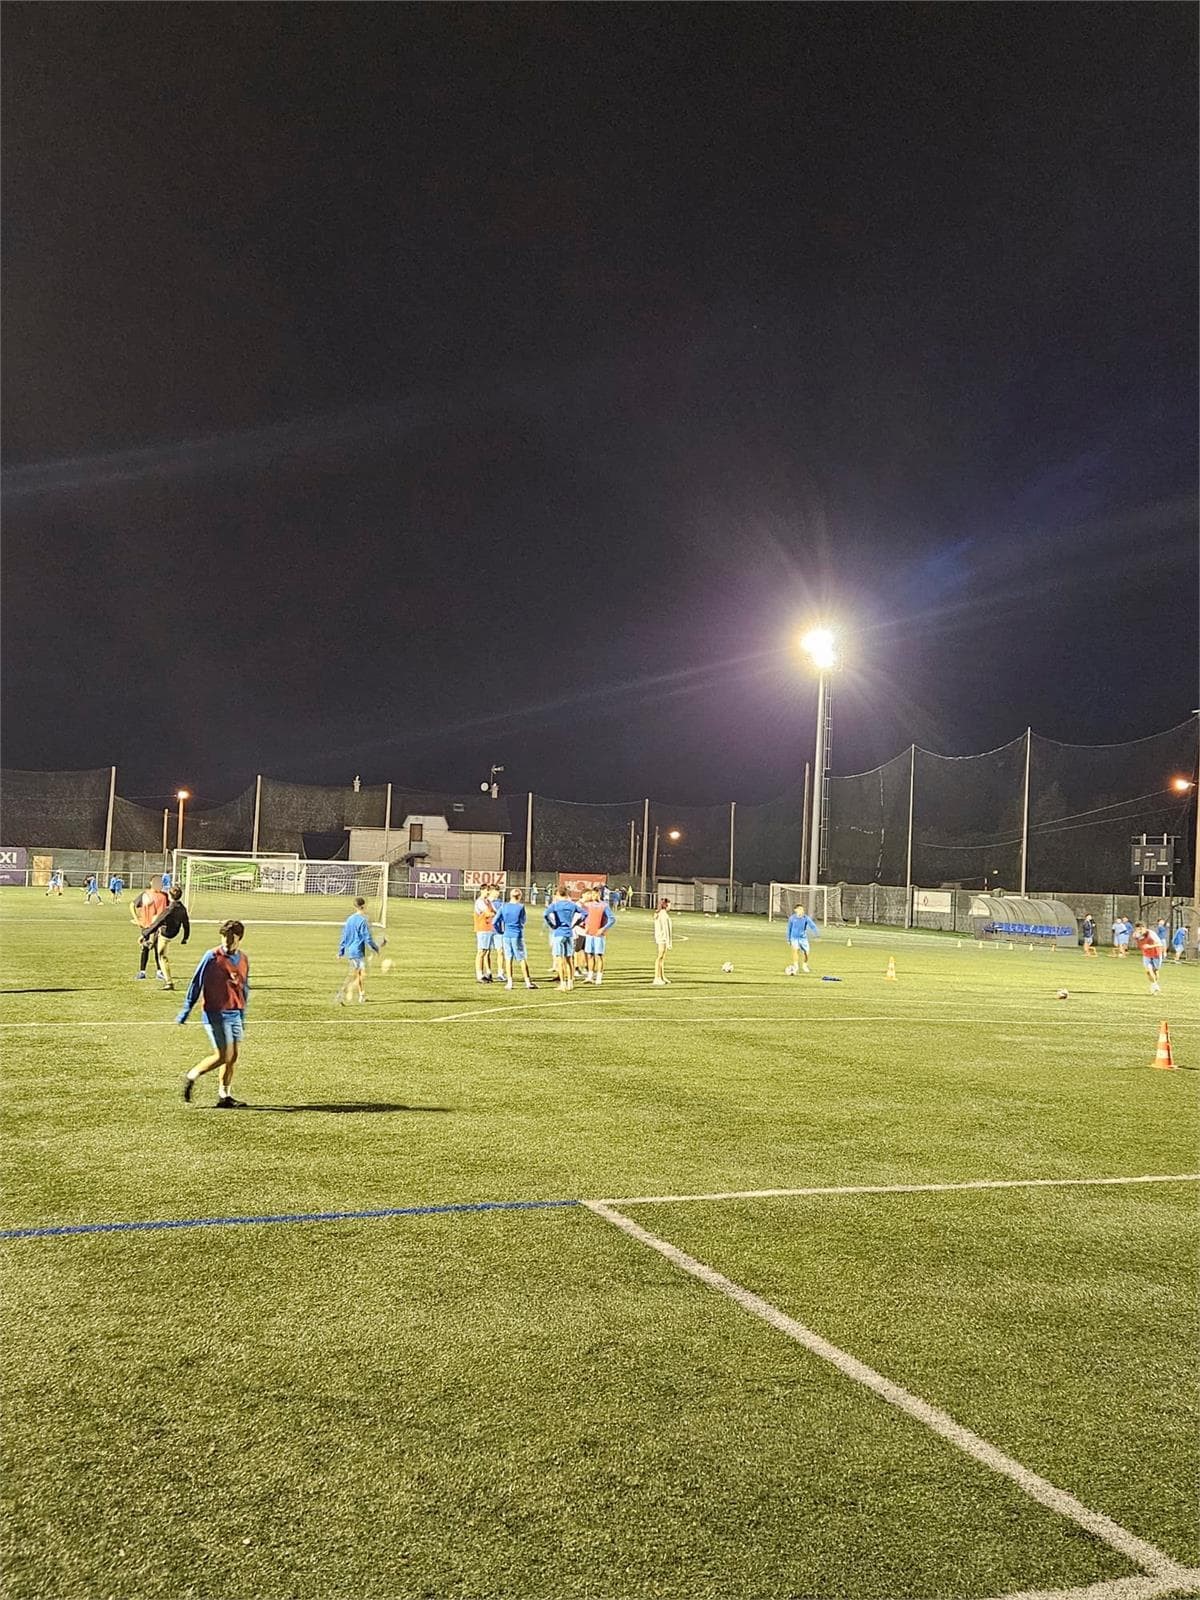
416 832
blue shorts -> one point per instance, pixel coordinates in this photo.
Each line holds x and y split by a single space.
485 941
593 944
1152 963
801 945
224 1028
561 940
514 947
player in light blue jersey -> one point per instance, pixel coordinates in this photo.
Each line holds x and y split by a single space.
357 939
800 929
510 925
166 882
115 884
91 889
1179 944
561 917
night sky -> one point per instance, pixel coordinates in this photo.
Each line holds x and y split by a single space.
397 389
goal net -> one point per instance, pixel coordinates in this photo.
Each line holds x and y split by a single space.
822 903
284 890
180 859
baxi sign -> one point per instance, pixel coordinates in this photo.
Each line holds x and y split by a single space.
435 883
13 866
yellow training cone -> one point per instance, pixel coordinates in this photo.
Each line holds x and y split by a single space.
890 975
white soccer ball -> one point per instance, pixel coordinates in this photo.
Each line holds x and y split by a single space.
728 967
789 972
1063 994
386 966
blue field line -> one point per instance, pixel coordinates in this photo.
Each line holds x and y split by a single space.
59 1230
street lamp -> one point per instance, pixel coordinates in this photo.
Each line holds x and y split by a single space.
820 646
182 795
674 835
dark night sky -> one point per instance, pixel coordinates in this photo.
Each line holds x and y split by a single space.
394 389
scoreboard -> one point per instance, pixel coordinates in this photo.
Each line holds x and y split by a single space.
1154 859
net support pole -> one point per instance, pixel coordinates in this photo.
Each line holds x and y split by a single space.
632 849
1025 813
166 821
912 789
732 825
645 843
108 826
529 841
818 787
804 822
387 822
257 814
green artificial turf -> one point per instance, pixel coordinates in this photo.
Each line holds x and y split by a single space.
529 1403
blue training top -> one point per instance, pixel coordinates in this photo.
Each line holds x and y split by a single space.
356 937
800 927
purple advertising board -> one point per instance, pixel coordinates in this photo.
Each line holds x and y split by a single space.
435 883
13 865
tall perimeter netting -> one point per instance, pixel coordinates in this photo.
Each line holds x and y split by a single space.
293 816
867 838
63 810
1087 803
570 837
967 817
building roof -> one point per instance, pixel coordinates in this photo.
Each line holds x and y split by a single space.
467 813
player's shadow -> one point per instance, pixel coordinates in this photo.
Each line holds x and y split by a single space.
67 990
349 1107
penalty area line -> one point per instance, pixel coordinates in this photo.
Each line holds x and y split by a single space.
1185 1581
1101 1527
817 1192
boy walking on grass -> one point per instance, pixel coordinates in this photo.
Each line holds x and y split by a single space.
662 943
221 984
357 939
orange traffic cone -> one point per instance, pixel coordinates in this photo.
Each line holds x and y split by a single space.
1163 1059
890 975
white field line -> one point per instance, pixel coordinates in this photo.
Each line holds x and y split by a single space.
1039 1489
487 1013
1186 1581
899 1188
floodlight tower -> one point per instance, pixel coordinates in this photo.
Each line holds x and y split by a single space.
820 646
183 796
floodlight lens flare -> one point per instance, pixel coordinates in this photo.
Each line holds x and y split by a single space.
183 794
818 643
1182 785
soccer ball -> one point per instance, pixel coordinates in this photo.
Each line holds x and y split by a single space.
789 972
386 966
1063 994
728 967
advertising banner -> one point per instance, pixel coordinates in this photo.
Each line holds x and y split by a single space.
280 877
576 882
472 878
940 900
13 864
435 883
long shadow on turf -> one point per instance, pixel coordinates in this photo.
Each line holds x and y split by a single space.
344 1107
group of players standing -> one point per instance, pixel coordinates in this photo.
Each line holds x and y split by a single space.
577 930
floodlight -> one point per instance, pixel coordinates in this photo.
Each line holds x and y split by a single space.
674 835
1182 785
820 646
183 794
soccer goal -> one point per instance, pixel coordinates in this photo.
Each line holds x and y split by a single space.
275 889
823 903
180 858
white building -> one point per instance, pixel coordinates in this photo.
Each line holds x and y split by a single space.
463 835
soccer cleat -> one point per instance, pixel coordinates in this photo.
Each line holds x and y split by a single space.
339 999
139 977
226 1102
167 985
1154 989
659 983
806 968
508 983
531 985
188 1085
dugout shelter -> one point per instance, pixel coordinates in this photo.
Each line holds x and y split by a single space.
996 916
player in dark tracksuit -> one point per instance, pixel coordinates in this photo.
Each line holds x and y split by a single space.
165 927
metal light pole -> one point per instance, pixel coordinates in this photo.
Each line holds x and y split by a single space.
183 796
820 647
674 835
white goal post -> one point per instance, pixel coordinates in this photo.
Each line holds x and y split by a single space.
823 903
286 890
180 858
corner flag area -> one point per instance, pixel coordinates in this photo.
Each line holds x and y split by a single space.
750 1287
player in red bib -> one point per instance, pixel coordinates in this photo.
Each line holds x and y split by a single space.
222 983
1151 947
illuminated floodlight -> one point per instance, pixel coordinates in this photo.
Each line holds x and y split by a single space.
1182 785
674 835
183 794
821 648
